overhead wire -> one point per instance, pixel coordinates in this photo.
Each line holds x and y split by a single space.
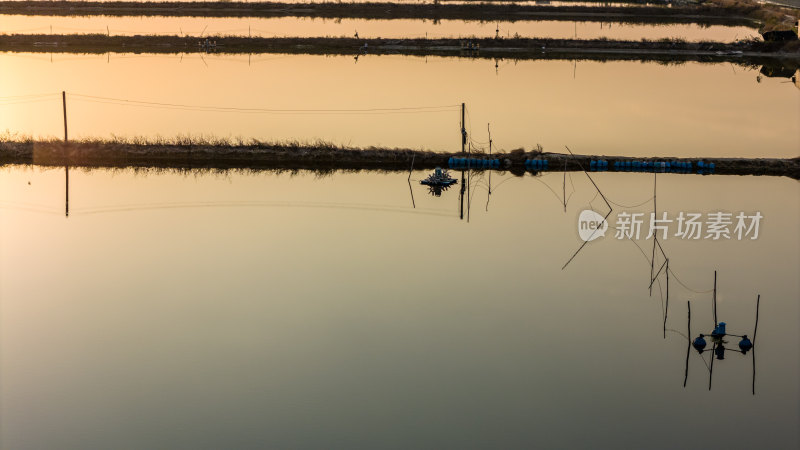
143 103
212 204
24 96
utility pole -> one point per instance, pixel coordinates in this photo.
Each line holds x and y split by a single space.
64 104
463 129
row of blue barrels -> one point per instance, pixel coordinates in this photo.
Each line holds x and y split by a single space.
598 165
660 166
473 163
536 164
705 166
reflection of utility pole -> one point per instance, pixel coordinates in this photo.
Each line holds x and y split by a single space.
655 236
65 153
64 104
489 196
413 203
490 156
461 197
66 203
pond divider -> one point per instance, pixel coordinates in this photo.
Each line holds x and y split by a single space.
263 155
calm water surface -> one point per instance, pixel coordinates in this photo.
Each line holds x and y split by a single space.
307 27
613 108
260 310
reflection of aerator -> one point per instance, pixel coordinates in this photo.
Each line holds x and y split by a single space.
717 336
718 341
440 180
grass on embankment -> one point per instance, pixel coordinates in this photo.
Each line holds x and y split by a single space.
770 16
220 153
704 14
519 48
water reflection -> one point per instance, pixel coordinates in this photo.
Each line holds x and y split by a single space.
316 318
718 341
201 27
616 104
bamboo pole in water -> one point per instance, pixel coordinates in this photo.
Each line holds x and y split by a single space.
689 345
755 330
715 299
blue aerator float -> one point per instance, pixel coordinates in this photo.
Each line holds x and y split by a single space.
705 168
719 339
536 165
653 166
599 165
473 163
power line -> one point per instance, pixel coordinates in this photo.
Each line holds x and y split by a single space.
22 102
122 101
27 96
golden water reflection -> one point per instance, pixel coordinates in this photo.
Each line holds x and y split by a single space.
282 311
403 28
614 108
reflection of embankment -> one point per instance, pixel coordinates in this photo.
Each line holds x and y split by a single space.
706 14
188 153
522 48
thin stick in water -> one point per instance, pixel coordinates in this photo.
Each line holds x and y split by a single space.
689 345
610 209
714 305
755 330
666 308
711 369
